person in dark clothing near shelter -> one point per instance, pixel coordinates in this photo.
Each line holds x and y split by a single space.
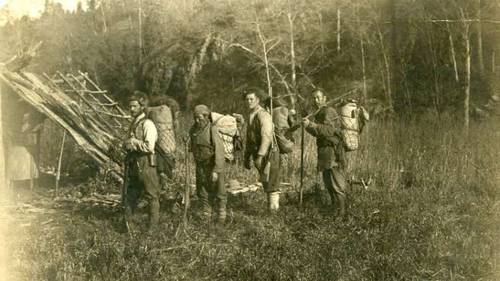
208 152
331 152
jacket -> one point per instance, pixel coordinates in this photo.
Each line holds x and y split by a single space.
207 146
329 144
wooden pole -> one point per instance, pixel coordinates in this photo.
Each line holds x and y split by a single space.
187 188
302 146
467 77
59 163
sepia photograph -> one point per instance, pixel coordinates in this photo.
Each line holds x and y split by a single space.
259 140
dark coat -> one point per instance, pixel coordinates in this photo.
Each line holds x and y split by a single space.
328 141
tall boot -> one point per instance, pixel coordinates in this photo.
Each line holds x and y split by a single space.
221 212
342 206
154 213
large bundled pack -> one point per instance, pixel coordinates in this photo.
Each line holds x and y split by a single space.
281 129
165 148
162 117
228 131
352 120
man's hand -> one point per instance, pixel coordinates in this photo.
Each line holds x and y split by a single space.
306 122
239 118
215 176
128 144
131 143
258 162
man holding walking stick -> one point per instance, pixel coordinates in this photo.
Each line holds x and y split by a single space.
331 151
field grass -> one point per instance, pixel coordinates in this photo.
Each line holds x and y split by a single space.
431 213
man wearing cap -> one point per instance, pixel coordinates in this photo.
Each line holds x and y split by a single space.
331 151
140 172
208 152
261 148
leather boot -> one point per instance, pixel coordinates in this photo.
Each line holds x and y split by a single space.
342 206
154 213
221 212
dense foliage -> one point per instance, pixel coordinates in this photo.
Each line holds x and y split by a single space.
390 50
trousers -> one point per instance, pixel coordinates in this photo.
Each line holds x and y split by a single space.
211 195
142 181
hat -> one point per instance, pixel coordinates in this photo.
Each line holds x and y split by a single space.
201 109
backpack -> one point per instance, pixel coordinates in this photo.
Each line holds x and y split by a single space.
229 133
352 121
165 145
281 126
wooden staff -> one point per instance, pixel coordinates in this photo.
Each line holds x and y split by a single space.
59 163
187 189
301 192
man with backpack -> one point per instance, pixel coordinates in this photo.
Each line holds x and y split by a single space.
208 152
261 147
140 162
331 151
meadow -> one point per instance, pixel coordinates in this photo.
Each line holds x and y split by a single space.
432 212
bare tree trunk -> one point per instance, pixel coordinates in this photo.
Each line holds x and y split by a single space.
363 65
321 35
140 32
105 26
480 41
453 55
493 62
387 69
3 176
292 57
338 29
435 72
467 76
266 63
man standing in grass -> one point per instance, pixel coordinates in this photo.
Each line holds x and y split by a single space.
208 152
261 148
140 162
331 152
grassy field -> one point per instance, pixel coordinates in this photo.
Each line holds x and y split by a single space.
431 213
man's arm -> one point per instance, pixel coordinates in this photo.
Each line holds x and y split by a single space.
327 128
219 150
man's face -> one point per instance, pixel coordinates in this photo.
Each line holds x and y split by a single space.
252 101
201 120
319 99
135 108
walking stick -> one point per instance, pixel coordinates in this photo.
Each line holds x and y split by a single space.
186 183
301 165
59 163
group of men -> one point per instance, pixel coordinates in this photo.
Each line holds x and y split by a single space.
261 152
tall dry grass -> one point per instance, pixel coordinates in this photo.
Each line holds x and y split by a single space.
432 213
